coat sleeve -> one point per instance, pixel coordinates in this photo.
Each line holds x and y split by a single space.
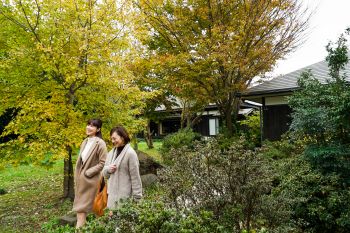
101 153
136 184
105 172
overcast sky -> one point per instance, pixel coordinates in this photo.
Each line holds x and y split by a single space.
329 20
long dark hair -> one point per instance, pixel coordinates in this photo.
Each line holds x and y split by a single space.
121 131
98 124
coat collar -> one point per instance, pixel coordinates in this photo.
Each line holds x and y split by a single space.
119 159
92 148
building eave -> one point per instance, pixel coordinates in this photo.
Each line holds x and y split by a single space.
269 92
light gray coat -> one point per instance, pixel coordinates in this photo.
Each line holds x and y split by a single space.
126 181
87 175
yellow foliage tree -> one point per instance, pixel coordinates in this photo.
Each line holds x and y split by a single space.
62 62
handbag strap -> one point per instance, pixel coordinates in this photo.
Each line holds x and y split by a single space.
101 184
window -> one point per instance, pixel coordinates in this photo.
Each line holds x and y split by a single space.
213 126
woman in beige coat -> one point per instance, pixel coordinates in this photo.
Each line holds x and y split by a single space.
88 169
122 169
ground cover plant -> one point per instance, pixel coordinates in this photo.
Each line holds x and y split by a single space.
33 196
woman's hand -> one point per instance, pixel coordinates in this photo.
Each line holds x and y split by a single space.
112 168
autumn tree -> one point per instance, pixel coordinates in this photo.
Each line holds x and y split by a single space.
148 80
167 96
62 62
216 48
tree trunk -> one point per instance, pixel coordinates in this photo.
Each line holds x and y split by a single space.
136 146
68 174
182 120
229 113
68 180
184 114
228 122
148 136
188 121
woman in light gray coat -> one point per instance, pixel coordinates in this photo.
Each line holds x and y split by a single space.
122 169
92 156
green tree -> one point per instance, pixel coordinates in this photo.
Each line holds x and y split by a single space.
215 48
148 79
320 119
321 113
63 62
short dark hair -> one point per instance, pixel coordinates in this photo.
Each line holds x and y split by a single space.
98 124
121 131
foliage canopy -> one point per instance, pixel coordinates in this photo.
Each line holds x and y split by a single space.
62 62
211 50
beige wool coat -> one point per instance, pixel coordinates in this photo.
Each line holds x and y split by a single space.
126 181
87 175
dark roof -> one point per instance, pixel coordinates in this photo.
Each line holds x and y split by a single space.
288 82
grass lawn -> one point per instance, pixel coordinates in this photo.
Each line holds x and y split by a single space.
34 195
154 152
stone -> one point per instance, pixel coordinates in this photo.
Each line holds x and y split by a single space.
148 180
68 219
147 164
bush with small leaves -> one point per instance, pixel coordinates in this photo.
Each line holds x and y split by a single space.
153 216
53 226
229 182
184 137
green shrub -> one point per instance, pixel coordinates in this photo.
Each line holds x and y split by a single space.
281 149
228 182
225 142
251 127
53 226
312 202
145 217
150 217
184 137
330 159
309 193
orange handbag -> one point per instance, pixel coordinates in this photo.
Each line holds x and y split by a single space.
100 201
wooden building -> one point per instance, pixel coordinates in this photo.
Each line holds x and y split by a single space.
273 95
208 124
